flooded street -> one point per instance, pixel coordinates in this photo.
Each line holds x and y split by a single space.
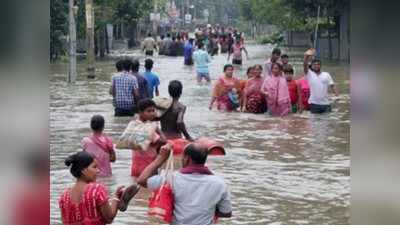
292 170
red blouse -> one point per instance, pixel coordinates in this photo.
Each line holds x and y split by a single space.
292 85
86 212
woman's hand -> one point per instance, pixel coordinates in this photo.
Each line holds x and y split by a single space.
118 193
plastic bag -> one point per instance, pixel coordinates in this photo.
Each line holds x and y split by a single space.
137 135
161 202
162 105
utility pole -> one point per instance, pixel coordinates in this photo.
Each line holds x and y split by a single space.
72 43
90 38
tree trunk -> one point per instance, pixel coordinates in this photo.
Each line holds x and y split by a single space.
90 38
330 40
107 40
72 44
102 42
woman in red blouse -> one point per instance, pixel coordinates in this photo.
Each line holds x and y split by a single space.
87 202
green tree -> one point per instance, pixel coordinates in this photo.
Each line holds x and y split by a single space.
58 27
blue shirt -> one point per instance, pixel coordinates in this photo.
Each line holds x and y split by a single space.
188 51
152 82
124 85
201 59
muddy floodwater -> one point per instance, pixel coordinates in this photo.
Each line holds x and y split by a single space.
292 170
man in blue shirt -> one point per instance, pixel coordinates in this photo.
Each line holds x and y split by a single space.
188 52
201 60
152 79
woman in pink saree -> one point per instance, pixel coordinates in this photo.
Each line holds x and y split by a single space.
253 98
276 91
226 85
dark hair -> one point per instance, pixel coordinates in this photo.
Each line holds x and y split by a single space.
249 69
197 153
259 66
288 70
277 64
126 64
227 66
149 35
135 65
175 88
119 65
191 40
168 35
276 51
200 44
145 103
173 38
162 36
315 61
148 64
285 56
79 161
97 123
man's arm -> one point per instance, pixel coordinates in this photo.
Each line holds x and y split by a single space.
334 90
224 206
157 92
153 166
181 123
306 61
247 54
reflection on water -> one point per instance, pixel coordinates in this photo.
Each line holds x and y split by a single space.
292 170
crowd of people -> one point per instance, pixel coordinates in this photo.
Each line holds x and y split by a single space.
200 195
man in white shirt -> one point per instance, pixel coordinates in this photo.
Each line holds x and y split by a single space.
320 83
199 195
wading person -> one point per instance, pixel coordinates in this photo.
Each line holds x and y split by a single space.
199 195
276 91
149 45
142 158
124 89
142 82
293 89
188 53
152 79
236 51
225 88
201 60
319 82
275 56
253 98
87 202
100 146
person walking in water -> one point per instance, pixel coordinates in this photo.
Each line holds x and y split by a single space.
236 51
152 79
225 90
199 195
88 202
149 45
100 146
125 90
201 60
275 58
253 98
276 91
188 52
172 122
319 82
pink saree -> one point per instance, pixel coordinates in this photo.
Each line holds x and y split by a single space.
278 99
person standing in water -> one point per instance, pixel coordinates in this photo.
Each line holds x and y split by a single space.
88 202
293 88
225 87
152 79
319 82
275 56
201 60
149 45
100 146
276 91
188 52
172 122
236 51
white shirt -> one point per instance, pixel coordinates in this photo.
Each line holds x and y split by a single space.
196 197
319 85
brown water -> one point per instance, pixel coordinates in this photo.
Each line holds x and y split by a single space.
293 170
